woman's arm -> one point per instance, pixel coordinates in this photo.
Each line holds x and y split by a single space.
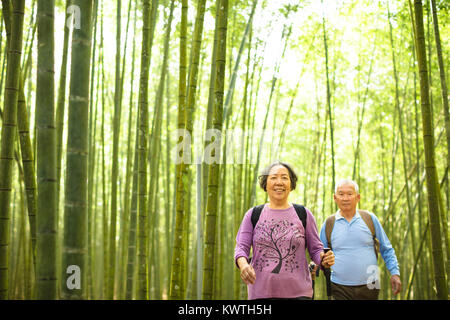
244 238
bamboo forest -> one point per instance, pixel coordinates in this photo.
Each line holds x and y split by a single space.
133 133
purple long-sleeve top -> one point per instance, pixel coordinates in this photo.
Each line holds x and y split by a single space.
279 253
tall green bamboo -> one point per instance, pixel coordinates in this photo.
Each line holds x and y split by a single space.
131 256
416 135
18 249
416 260
103 166
115 159
74 251
442 76
192 88
59 117
249 174
444 94
29 40
92 150
209 112
168 196
157 121
9 128
402 137
60 103
129 174
117 280
333 174
178 270
227 105
176 275
26 151
142 159
240 188
214 170
430 166
28 165
46 276
318 153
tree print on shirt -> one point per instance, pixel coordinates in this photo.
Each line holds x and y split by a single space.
277 243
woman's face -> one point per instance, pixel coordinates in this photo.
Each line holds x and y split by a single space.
278 184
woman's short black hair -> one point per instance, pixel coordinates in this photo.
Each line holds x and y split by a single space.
265 173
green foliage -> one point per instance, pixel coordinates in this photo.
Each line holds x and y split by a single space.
360 77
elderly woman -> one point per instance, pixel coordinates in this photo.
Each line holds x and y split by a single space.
279 268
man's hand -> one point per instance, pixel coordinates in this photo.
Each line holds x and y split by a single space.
396 284
327 259
247 272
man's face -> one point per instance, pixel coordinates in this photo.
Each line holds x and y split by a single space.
278 183
346 198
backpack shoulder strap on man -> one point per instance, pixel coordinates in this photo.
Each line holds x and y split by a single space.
329 225
365 215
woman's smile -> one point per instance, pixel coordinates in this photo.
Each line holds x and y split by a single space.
278 185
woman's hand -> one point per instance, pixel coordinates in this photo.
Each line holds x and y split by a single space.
247 272
327 259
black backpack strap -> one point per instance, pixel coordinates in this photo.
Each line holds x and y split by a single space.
301 212
256 213
299 209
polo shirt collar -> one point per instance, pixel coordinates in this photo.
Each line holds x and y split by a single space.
340 216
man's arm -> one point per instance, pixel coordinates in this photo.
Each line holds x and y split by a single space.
386 249
388 254
323 236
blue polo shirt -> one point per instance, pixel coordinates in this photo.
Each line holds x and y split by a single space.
355 260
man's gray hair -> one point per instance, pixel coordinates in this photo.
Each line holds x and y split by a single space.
346 181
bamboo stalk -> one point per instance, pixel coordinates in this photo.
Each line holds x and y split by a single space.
8 138
430 166
74 249
213 179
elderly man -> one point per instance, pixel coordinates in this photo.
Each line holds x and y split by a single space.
356 236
